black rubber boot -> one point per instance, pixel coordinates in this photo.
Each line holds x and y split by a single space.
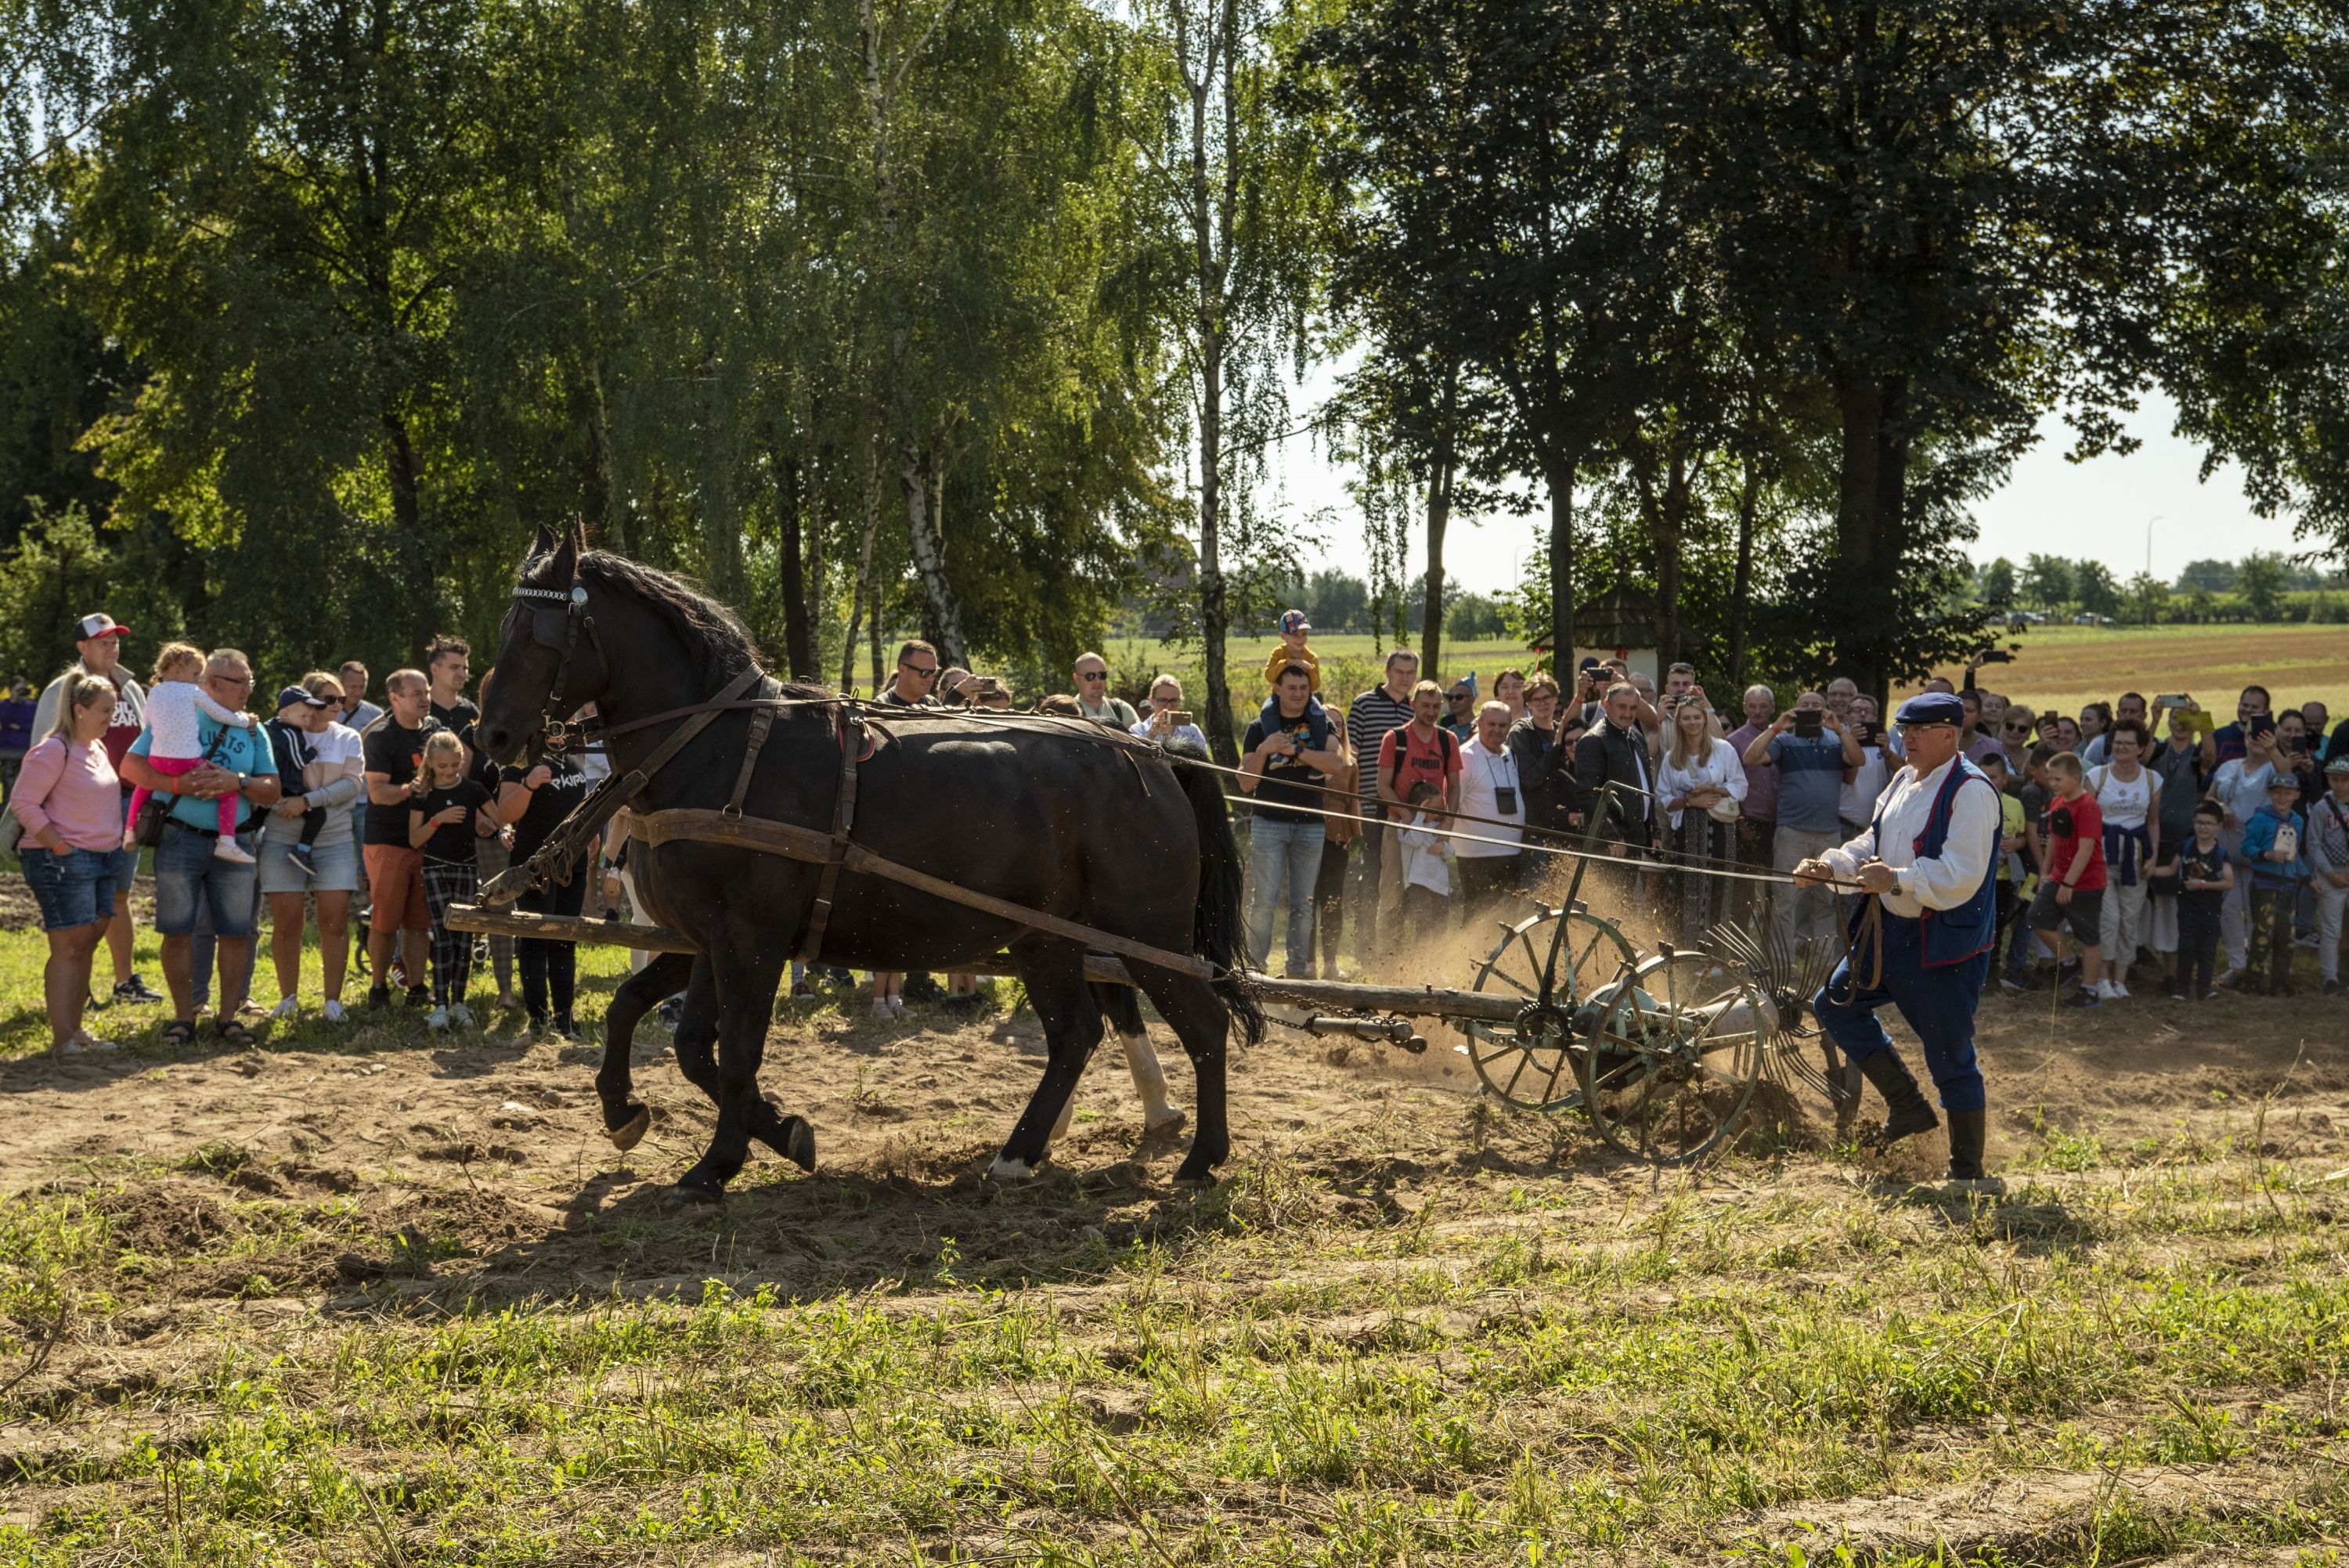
1905 1110
1967 1131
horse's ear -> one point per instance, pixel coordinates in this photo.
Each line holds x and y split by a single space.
543 543
564 565
578 536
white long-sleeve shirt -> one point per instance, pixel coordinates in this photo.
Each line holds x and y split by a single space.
1944 881
1718 768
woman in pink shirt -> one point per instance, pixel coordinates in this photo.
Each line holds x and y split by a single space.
70 803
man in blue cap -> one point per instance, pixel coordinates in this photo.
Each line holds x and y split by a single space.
1928 857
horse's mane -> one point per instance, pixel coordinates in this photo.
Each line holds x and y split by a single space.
720 646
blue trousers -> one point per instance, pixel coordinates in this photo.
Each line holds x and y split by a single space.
1938 1003
1283 863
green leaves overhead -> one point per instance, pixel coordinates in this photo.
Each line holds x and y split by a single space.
402 278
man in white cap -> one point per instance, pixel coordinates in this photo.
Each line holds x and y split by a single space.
99 640
1929 859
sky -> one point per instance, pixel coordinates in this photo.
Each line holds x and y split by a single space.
2098 510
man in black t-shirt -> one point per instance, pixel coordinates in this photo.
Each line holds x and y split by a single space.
394 752
1285 761
536 800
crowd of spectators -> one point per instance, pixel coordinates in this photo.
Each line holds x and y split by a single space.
2147 845
2105 884
368 820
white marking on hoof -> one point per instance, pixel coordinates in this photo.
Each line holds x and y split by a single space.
1159 1118
1008 1170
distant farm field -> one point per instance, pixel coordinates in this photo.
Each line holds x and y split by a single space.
2064 667
2060 666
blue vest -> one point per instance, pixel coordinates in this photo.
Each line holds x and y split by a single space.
1953 936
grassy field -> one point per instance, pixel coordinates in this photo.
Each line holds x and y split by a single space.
2069 666
2062 665
369 1297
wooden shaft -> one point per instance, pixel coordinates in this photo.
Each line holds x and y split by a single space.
1410 1001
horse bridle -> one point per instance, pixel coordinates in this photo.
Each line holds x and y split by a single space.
575 616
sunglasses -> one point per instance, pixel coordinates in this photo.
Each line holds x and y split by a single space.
1094 676
927 671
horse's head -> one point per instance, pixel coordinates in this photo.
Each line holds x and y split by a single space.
548 665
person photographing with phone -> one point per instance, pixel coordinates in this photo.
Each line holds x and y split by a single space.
1816 755
1929 857
1166 723
1288 755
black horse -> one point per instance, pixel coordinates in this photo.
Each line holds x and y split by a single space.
1051 817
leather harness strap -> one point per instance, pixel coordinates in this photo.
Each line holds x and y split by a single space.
762 721
843 819
564 847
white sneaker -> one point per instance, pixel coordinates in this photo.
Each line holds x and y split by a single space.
436 1019
896 1006
334 1013
81 1043
286 1008
461 1015
881 1007
227 849
2120 991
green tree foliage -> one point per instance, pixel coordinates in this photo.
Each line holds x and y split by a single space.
2212 576
2093 590
2262 578
1235 224
842 308
2147 599
1997 583
2047 581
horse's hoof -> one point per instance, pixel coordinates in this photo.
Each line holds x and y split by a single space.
790 1137
631 1132
797 1142
1165 1120
698 1193
1200 1177
1006 1168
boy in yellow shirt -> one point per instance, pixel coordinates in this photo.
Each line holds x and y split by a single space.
1294 629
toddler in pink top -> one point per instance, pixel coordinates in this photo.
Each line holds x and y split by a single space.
176 707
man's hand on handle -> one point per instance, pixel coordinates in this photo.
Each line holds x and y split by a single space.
1874 876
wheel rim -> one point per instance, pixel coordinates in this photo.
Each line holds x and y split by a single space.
1672 1057
1534 1068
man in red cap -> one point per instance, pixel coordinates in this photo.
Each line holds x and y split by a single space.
98 639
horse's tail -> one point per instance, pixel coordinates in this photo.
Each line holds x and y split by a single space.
1217 925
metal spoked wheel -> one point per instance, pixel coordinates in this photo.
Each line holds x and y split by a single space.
1672 1056
1530 1064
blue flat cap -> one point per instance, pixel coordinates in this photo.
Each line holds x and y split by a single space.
1932 708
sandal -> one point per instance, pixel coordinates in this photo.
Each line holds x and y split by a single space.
180 1032
234 1033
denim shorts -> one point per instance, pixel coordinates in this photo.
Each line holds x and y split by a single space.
186 870
335 865
71 889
